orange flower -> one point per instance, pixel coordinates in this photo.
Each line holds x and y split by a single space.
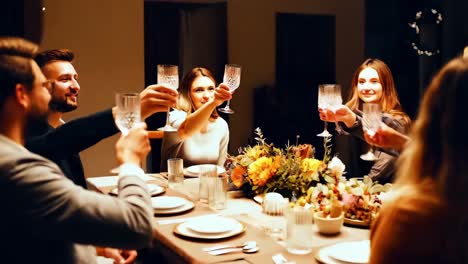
237 176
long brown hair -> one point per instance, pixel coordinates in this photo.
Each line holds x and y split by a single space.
439 137
389 101
185 101
434 163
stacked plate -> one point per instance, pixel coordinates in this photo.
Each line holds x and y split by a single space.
210 227
170 204
153 189
194 170
356 252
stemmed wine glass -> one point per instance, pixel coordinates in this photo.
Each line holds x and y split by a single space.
168 76
128 111
232 73
323 101
127 115
371 118
335 101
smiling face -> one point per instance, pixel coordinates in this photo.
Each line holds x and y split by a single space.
202 91
369 86
65 86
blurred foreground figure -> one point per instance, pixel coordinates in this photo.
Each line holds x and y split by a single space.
47 218
426 220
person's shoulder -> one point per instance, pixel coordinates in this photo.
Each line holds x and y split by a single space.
222 123
16 159
416 207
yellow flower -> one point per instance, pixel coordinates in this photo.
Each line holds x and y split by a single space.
256 152
261 170
310 167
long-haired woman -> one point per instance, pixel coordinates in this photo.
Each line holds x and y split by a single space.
426 221
202 136
372 82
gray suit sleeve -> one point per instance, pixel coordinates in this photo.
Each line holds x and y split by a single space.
48 204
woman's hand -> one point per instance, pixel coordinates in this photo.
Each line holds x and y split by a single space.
386 137
341 114
222 94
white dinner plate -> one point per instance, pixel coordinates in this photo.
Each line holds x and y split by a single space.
183 230
186 207
167 202
194 170
356 252
212 224
153 189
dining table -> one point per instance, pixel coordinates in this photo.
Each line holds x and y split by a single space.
170 246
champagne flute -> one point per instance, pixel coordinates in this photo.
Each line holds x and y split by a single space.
168 76
127 114
371 118
336 101
323 100
232 73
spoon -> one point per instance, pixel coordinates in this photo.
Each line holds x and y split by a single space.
245 245
231 250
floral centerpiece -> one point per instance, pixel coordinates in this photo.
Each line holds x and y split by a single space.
290 171
360 199
294 172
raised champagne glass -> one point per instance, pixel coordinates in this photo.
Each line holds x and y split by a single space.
323 101
232 73
371 120
127 114
168 76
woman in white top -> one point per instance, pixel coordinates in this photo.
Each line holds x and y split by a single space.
202 136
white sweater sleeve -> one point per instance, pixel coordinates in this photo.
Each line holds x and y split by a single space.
223 146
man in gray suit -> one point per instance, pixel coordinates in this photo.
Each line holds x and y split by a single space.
46 218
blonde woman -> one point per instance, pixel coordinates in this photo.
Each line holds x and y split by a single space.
427 221
202 135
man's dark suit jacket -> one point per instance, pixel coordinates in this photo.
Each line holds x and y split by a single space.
63 144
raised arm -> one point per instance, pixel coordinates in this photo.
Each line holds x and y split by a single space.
198 119
82 133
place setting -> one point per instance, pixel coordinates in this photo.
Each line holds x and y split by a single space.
354 252
194 171
153 189
166 205
210 227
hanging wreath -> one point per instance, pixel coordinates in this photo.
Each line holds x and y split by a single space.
431 17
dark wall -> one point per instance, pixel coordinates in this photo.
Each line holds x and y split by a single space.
22 18
390 38
305 58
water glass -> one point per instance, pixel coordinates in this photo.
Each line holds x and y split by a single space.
217 192
175 172
299 224
206 174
